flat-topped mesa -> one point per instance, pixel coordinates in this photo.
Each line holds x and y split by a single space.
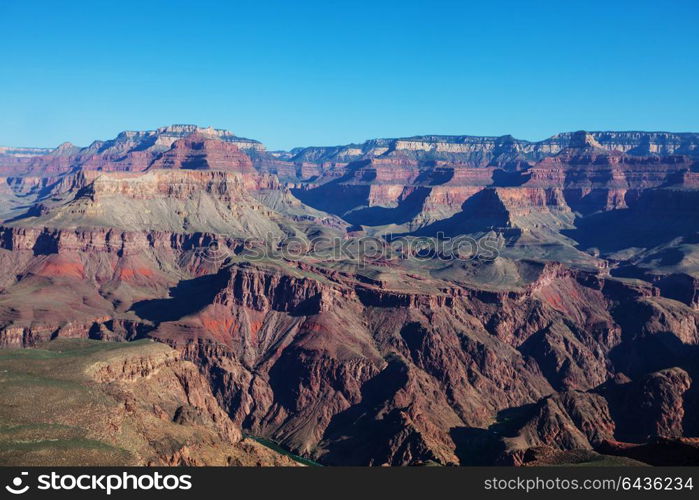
481 150
179 131
650 143
129 151
586 165
136 151
472 150
200 151
161 139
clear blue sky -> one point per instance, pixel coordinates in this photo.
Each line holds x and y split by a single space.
293 73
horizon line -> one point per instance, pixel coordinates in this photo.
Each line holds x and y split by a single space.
627 131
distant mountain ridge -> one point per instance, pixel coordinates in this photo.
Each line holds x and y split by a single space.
639 143
481 147
160 140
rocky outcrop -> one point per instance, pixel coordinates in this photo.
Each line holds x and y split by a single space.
133 367
465 360
183 201
125 404
651 406
199 152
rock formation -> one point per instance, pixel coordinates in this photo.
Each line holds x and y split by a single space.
569 332
92 403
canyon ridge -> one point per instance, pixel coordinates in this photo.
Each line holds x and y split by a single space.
184 296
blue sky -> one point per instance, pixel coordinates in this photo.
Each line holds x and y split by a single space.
321 73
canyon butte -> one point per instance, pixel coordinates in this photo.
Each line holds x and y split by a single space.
175 297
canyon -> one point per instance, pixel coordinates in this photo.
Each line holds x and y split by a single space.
567 332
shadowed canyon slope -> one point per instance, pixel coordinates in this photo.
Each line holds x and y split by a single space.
567 331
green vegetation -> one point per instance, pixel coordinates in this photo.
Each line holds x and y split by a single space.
279 449
50 410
